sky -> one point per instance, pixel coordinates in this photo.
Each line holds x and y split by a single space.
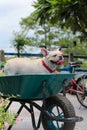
11 12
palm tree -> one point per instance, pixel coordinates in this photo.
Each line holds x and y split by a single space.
19 42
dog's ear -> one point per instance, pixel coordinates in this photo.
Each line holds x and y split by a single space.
44 52
60 49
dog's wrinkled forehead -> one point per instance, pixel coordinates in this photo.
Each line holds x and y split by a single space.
55 53
51 53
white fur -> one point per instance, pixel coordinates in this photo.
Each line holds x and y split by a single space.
27 65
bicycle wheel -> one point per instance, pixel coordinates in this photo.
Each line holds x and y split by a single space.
82 91
60 107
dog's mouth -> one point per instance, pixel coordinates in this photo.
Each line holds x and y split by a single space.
58 62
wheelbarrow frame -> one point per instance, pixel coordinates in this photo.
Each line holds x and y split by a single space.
44 83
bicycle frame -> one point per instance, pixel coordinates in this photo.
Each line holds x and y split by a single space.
78 84
72 84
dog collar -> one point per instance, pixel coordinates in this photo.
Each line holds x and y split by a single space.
50 70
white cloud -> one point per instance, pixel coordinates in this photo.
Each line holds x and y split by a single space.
11 12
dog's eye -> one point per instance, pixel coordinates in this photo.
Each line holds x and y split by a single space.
54 55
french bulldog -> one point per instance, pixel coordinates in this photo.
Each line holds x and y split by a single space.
46 64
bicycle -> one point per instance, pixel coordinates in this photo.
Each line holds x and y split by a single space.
77 85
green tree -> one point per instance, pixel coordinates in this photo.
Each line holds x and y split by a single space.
48 36
69 13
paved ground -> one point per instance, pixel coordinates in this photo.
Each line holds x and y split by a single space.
25 120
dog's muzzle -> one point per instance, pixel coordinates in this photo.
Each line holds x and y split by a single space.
60 61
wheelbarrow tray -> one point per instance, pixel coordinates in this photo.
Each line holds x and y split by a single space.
31 86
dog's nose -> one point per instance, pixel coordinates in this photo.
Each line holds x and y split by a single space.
60 57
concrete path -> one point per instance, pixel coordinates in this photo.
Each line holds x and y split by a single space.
25 119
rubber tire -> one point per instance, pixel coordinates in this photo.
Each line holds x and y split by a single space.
79 95
67 108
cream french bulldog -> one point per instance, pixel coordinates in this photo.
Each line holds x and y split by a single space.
47 64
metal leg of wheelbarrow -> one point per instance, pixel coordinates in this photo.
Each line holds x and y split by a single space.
33 119
31 111
18 112
8 106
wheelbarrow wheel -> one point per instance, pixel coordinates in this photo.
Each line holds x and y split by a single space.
58 106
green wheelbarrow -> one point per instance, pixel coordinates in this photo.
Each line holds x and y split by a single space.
56 112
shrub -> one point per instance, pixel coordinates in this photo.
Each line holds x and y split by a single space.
6 117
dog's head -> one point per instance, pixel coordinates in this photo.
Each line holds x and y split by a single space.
55 57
